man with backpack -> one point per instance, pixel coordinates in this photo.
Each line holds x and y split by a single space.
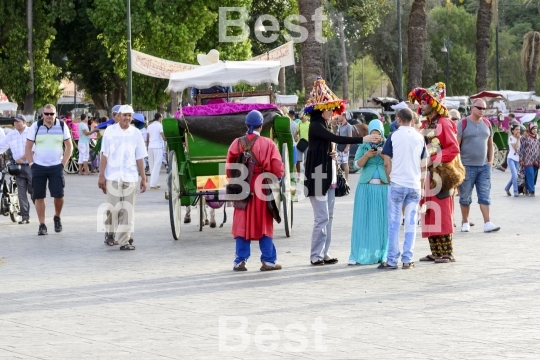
47 161
475 138
253 220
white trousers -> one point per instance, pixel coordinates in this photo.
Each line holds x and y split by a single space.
154 161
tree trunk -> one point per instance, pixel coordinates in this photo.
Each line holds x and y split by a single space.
344 66
98 102
282 90
530 57
417 37
311 48
483 22
29 98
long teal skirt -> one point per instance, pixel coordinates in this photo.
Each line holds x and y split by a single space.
369 238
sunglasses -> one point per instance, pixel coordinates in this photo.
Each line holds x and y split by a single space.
480 108
48 114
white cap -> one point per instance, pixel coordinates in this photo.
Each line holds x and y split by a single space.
401 105
126 109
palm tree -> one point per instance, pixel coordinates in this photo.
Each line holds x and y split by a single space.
311 48
417 37
529 57
483 23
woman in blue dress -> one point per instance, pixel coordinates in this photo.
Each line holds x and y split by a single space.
369 238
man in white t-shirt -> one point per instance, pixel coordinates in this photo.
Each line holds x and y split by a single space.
500 105
122 154
405 163
154 143
51 143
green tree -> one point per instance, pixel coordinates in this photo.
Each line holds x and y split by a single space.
15 65
458 25
160 28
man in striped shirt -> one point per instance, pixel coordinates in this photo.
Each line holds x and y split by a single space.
47 163
16 141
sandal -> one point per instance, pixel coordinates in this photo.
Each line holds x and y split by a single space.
441 260
318 263
330 261
387 267
407 266
127 247
109 240
450 258
428 258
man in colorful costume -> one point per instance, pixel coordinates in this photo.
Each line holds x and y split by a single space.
255 222
439 133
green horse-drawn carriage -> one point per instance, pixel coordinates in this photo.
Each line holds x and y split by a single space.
199 136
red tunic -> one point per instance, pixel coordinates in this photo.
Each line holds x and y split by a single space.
256 221
439 216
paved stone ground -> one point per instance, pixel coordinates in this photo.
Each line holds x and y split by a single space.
68 296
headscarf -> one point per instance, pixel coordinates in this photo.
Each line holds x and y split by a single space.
530 126
377 125
254 119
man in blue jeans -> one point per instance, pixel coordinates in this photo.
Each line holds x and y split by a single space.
405 163
475 138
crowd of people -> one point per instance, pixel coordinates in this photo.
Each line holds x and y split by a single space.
416 170
43 149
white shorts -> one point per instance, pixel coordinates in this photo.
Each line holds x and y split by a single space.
300 155
84 152
343 157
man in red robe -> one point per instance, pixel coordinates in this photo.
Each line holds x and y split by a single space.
440 135
255 222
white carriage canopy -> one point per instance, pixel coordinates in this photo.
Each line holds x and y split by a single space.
508 95
227 73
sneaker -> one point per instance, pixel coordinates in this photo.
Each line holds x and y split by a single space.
490 227
266 267
516 195
240 267
508 193
57 224
24 221
465 227
42 229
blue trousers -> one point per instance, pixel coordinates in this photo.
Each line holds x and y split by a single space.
513 165
531 172
266 244
397 197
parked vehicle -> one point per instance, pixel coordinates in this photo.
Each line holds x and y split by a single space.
9 201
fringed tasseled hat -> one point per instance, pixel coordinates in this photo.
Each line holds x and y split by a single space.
433 96
322 98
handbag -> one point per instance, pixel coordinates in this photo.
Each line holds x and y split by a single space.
342 188
302 145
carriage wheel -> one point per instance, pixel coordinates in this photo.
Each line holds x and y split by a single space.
72 166
498 155
286 197
175 209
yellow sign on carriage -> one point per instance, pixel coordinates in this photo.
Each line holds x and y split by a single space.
212 182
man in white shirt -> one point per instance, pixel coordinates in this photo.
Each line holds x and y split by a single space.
51 142
16 141
405 162
500 105
122 154
154 142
